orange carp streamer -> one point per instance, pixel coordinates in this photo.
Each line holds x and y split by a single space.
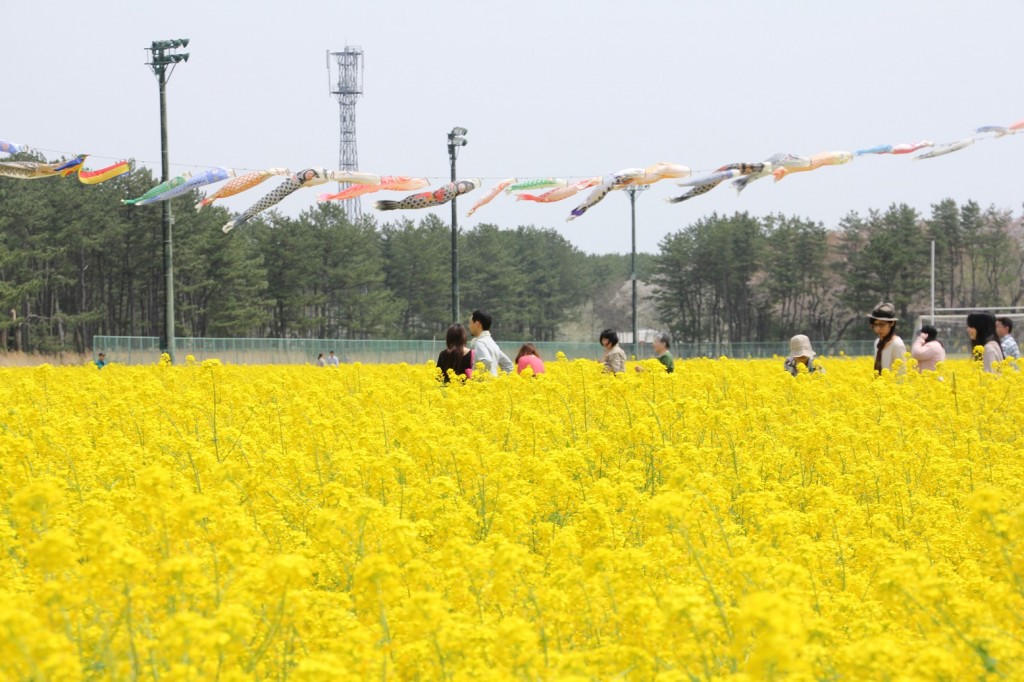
491 193
401 183
241 184
817 161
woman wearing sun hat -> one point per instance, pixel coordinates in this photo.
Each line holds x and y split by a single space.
800 353
888 346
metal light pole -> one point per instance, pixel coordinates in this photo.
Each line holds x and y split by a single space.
456 139
632 192
161 57
932 320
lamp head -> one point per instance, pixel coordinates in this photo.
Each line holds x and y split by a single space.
169 44
455 137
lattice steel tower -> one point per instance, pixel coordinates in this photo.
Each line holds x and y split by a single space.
348 88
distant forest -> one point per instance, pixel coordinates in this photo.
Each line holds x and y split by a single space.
75 263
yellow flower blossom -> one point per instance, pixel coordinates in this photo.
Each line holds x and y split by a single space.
726 521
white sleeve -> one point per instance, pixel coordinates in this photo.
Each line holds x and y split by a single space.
899 349
504 362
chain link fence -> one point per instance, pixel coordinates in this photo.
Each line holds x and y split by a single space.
144 350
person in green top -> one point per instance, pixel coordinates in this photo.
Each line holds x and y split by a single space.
661 343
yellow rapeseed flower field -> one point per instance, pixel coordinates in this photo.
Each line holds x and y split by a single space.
728 521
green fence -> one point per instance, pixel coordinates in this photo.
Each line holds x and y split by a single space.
143 350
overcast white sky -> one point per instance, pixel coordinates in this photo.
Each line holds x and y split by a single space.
545 89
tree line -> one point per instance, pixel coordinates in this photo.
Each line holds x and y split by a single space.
741 278
75 263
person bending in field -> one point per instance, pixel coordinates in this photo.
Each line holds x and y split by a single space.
661 344
529 357
800 353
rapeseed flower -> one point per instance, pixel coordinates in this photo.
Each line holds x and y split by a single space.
726 521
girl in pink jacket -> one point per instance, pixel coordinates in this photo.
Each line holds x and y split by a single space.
927 350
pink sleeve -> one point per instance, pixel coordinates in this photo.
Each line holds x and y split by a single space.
472 363
922 351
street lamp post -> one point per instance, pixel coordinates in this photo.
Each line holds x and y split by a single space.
632 192
162 57
456 139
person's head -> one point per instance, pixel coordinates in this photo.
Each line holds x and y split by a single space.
981 327
1004 326
883 319
800 348
930 333
456 337
332 352
527 349
661 343
319 356
103 356
608 338
479 321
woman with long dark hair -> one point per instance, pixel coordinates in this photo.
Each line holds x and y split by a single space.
888 346
456 357
981 329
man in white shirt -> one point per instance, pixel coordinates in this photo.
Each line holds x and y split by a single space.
332 360
487 350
